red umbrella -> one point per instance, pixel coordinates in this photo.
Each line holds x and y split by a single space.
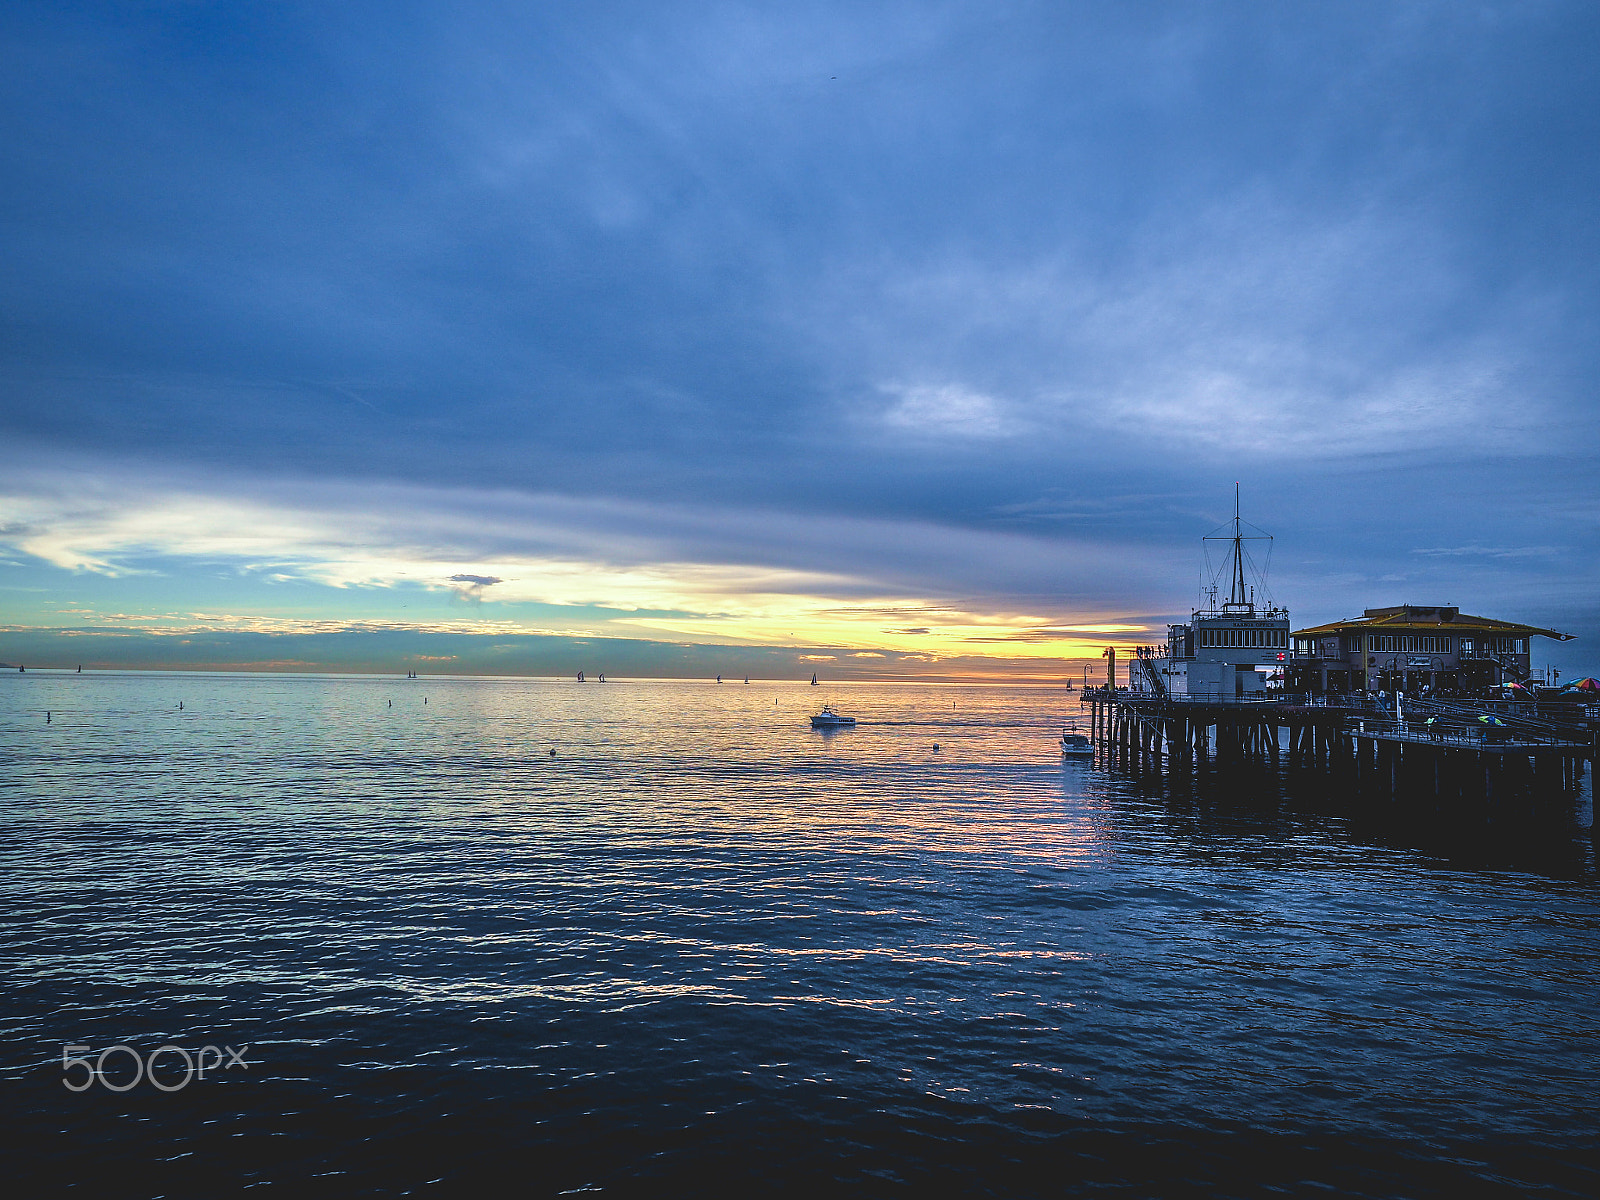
1587 684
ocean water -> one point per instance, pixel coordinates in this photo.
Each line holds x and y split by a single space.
702 949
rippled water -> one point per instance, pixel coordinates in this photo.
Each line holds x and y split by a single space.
704 948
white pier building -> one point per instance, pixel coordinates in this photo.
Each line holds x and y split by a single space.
1226 651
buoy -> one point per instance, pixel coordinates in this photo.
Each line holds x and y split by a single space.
47 718
180 705
936 745
552 751
391 704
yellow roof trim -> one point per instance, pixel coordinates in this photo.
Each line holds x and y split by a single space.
1462 624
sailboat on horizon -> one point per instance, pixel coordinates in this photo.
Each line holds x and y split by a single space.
813 679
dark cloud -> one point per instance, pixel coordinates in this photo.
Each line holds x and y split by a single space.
366 651
661 246
945 275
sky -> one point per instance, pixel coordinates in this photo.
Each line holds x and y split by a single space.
878 340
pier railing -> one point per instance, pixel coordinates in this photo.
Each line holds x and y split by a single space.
1468 737
1520 716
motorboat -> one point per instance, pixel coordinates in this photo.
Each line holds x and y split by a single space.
828 719
1076 745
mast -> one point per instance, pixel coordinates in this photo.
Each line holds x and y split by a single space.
1241 600
1237 594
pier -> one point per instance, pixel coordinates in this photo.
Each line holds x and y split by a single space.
1461 752
1233 686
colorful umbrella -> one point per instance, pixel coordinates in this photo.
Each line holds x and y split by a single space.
1513 686
1587 684
1488 720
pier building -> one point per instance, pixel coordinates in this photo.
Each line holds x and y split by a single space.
1409 647
1204 698
1224 651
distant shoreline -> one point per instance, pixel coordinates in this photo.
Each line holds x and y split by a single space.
1056 683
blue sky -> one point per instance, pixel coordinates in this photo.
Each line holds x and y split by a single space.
922 338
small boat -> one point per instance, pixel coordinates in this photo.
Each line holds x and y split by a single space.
719 678
1076 745
602 677
813 679
581 678
828 719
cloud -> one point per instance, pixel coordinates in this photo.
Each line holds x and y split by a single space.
176 625
948 410
831 326
474 585
682 571
1256 325
666 259
1490 551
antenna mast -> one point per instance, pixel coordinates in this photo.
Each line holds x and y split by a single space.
1237 593
1241 596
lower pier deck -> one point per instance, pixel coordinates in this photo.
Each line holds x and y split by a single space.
1449 751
